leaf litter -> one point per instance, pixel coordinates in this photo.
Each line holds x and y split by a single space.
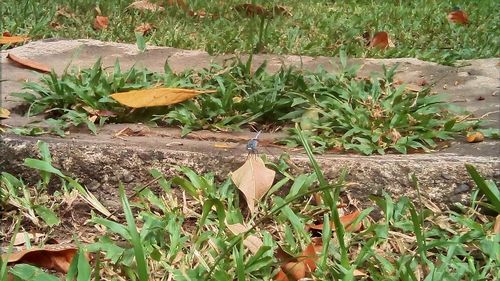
253 179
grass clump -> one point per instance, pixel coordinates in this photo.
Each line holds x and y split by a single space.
337 110
161 234
318 27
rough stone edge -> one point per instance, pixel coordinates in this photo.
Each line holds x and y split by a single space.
442 178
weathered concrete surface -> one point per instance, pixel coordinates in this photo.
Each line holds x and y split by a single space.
101 161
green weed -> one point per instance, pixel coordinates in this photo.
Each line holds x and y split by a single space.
163 234
337 110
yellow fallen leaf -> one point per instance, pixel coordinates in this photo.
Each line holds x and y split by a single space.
252 242
4 113
156 96
12 39
253 179
223 145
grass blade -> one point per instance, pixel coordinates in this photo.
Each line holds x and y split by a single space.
140 258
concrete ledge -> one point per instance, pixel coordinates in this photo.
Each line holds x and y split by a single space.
101 164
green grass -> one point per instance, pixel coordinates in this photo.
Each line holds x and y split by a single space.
337 110
163 235
418 28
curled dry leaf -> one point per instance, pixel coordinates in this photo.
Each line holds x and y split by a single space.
346 221
252 242
475 137
381 40
145 28
253 179
458 17
251 10
29 63
145 5
4 113
101 22
156 96
52 257
296 268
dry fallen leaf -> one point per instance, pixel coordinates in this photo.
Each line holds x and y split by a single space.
251 10
99 112
475 137
381 40
100 22
64 12
29 63
145 28
252 242
414 88
346 221
23 237
496 228
156 96
293 269
282 10
8 39
458 17
145 5
130 132
253 179
4 113
53 257
223 145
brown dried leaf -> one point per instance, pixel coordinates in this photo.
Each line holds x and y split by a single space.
145 28
130 132
52 257
251 10
496 228
381 40
252 242
282 10
64 12
346 221
294 269
458 17
475 137
156 96
101 22
253 179
145 5
29 63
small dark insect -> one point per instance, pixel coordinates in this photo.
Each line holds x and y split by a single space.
252 144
